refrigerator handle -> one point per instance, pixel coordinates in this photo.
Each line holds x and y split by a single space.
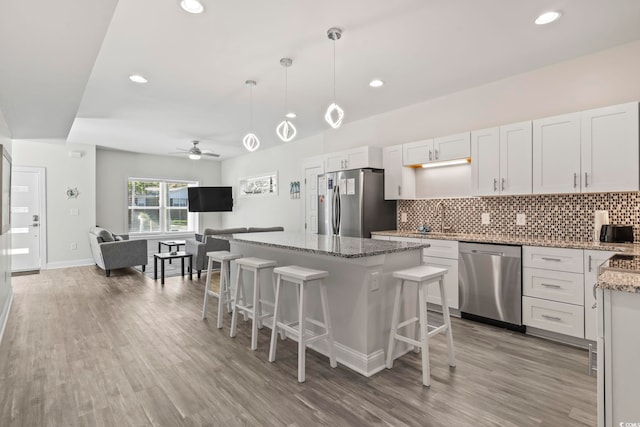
339 216
334 211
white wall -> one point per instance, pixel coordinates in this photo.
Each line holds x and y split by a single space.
63 172
5 244
604 78
113 168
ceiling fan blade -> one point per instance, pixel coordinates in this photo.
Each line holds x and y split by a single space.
182 149
179 152
208 153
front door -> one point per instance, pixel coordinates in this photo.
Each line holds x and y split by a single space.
311 198
26 218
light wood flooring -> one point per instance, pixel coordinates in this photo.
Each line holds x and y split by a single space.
81 349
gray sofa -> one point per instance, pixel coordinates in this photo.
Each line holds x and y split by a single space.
205 242
111 251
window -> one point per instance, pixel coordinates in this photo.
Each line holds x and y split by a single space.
159 206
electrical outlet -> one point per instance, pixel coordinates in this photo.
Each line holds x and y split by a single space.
521 219
74 246
486 218
74 212
403 217
375 281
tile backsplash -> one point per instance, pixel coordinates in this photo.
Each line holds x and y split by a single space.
555 216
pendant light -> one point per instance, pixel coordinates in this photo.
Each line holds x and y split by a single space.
250 140
334 114
286 130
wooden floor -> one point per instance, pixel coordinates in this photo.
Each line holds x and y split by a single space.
81 349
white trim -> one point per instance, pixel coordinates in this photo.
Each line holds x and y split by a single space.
42 173
4 317
70 263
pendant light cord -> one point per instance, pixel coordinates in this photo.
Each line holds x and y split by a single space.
251 108
334 71
286 90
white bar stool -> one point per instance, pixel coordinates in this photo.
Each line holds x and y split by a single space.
301 276
254 265
224 293
423 276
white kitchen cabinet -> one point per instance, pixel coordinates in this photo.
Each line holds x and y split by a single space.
399 181
556 154
552 285
417 153
557 259
592 262
485 162
357 158
452 147
609 149
562 318
450 281
618 367
501 160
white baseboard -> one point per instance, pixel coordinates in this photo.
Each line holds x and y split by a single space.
71 263
5 313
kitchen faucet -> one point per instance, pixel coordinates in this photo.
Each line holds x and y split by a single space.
440 211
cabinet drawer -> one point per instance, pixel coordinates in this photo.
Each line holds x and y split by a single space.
441 248
557 286
567 319
557 259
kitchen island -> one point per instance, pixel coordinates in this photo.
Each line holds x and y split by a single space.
358 287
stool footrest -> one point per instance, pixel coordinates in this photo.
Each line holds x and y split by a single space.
408 322
437 330
408 340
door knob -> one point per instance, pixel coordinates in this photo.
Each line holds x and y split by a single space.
35 224
36 218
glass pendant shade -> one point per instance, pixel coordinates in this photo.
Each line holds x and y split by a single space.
251 142
286 131
334 115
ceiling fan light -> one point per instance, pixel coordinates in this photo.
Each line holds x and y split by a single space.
194 156
286 131
291 115
192 6
334 115
547 17
251 142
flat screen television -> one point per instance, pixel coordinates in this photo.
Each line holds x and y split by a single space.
210 199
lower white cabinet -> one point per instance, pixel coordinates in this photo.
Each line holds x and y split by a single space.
592 262
450 281
557 286
562 318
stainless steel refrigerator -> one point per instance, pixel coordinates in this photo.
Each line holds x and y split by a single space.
351 203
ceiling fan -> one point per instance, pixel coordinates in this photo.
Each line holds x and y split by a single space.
194 152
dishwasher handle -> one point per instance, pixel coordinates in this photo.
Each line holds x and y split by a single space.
476 251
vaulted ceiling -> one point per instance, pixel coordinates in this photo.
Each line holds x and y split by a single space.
64 64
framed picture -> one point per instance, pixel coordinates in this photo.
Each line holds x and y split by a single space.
5 176
259 185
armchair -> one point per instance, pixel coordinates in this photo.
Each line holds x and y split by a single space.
113 254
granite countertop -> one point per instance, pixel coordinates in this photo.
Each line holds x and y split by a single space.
625 248
621 273
338 246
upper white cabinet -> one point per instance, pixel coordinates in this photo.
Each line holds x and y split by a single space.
452 147
556 154
593 151
417 153
399 181
609 151
501 160
437 150
362 157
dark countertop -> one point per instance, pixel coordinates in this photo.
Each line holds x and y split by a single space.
344 247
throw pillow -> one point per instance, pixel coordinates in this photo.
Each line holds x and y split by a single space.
105 236
117 238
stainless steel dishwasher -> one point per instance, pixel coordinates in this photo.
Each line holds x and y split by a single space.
490 280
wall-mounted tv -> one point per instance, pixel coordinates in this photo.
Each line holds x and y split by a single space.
210 199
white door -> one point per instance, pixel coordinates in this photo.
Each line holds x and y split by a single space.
515 158
27 210
452 147
311 198
592 262
610 149
556 154
485 162
417 153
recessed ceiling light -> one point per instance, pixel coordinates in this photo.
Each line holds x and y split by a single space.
376 83
547 17
137 78
291 115
192 6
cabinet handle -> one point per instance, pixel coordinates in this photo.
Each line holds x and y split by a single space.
495 184
399 190
554 318
437 155
430 155
502 185
551 259
586 180
594 292
595 285
575 180
549 285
